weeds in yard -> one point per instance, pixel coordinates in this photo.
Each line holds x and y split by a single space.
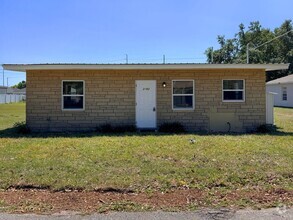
123 206
3 206
149 162
31 206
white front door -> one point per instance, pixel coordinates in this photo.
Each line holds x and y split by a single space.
145 96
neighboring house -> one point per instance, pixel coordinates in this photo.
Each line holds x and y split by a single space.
22 91
9 94
3 89
11 90
203 97
283 87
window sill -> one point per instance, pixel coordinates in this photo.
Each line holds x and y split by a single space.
233 101
73 110
183 109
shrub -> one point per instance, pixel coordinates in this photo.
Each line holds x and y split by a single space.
172 127
108 128
105 128
21 127
265 128
125 128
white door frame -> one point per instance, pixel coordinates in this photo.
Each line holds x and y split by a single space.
136 110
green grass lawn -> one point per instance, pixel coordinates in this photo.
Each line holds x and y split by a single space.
146 162
11 113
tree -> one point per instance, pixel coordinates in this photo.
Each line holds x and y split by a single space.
278 50
20 85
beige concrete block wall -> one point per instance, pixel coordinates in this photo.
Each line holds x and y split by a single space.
110 98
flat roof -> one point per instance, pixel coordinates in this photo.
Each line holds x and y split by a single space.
84 66
282 80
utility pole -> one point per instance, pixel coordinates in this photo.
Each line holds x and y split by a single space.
255 47
7 78
212 56
164 59
3 77
247 53
126 58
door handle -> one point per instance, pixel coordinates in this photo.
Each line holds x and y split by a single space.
154 109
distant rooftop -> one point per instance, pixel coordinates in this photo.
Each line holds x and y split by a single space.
60 66
282 80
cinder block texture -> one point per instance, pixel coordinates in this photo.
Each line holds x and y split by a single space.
110 98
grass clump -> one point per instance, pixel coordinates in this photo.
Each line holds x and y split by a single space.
123 206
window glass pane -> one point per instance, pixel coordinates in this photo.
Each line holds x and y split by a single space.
182 101
73 102
284 91
73 88
232 84
233 95
182 87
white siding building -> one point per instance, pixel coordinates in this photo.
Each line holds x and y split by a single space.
3 89
284 89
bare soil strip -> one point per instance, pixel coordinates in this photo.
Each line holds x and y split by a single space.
47 202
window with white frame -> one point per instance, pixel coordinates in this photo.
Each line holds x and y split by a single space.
72 95
233 90
183 94
284 93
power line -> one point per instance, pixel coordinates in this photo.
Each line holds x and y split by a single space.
255 47
273 39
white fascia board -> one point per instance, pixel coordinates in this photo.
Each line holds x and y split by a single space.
25 67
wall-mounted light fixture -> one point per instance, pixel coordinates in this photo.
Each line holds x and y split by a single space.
164 84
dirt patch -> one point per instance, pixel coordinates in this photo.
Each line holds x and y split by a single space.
45 201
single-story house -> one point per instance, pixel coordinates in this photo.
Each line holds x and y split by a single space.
16 91
3 89
202 97
283 87
9 94
11 90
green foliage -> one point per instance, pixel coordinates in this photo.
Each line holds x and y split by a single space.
108 128
266 128
20 85
278 50
271 75
173 127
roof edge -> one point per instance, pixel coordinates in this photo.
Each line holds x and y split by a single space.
61 66
282 80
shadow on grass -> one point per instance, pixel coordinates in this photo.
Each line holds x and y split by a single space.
284 107
13 133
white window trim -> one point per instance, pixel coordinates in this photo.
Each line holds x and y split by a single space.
234 90
193 104
62 96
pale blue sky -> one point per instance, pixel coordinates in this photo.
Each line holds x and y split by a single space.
103 31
